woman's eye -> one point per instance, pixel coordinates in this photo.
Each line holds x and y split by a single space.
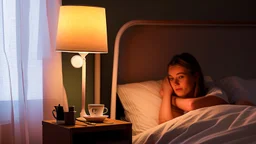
180 77
170 79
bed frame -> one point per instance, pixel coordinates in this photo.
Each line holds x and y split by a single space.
144 48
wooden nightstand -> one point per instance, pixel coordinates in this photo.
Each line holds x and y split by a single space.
111 131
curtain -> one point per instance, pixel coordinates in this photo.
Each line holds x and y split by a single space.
30 69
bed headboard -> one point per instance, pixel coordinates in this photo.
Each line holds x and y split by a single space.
144 48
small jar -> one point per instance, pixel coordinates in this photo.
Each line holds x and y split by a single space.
70 116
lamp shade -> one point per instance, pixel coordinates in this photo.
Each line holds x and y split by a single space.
82 29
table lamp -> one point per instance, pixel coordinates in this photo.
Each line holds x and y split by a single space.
83 30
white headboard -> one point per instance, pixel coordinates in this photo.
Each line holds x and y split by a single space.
144 48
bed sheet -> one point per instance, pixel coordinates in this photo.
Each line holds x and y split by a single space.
215 124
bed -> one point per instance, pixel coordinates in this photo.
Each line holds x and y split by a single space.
226 53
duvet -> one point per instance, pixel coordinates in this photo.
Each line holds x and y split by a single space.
215 124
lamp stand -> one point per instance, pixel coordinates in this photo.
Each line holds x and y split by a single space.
83 113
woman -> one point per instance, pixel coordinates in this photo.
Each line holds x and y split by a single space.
184 90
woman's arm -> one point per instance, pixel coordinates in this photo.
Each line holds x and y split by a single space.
165 109
188 104
167 112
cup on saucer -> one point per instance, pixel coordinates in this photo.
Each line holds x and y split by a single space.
97 110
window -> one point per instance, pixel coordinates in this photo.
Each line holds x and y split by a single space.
21 76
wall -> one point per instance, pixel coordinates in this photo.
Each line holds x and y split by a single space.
118 12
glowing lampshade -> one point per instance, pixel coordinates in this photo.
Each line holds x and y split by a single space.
82 29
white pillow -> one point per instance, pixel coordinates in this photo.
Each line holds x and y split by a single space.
238 88
141 102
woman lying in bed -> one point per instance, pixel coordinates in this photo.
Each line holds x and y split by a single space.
184 89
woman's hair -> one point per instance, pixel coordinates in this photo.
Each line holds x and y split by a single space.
189 61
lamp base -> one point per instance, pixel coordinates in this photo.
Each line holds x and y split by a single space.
83 113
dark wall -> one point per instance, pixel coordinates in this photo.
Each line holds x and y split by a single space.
118 12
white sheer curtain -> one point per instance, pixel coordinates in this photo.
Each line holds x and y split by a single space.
30 69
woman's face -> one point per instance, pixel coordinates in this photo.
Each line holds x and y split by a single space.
182 81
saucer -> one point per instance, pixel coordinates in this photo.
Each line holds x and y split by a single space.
95 118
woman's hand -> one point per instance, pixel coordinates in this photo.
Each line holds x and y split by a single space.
166 89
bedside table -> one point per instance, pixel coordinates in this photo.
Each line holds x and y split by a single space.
111 131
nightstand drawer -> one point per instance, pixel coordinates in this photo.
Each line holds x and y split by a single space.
111 131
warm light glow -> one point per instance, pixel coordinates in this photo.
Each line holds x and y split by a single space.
82 29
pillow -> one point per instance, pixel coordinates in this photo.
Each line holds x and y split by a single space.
141 102
238 88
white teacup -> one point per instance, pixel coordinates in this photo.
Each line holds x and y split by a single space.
97 109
